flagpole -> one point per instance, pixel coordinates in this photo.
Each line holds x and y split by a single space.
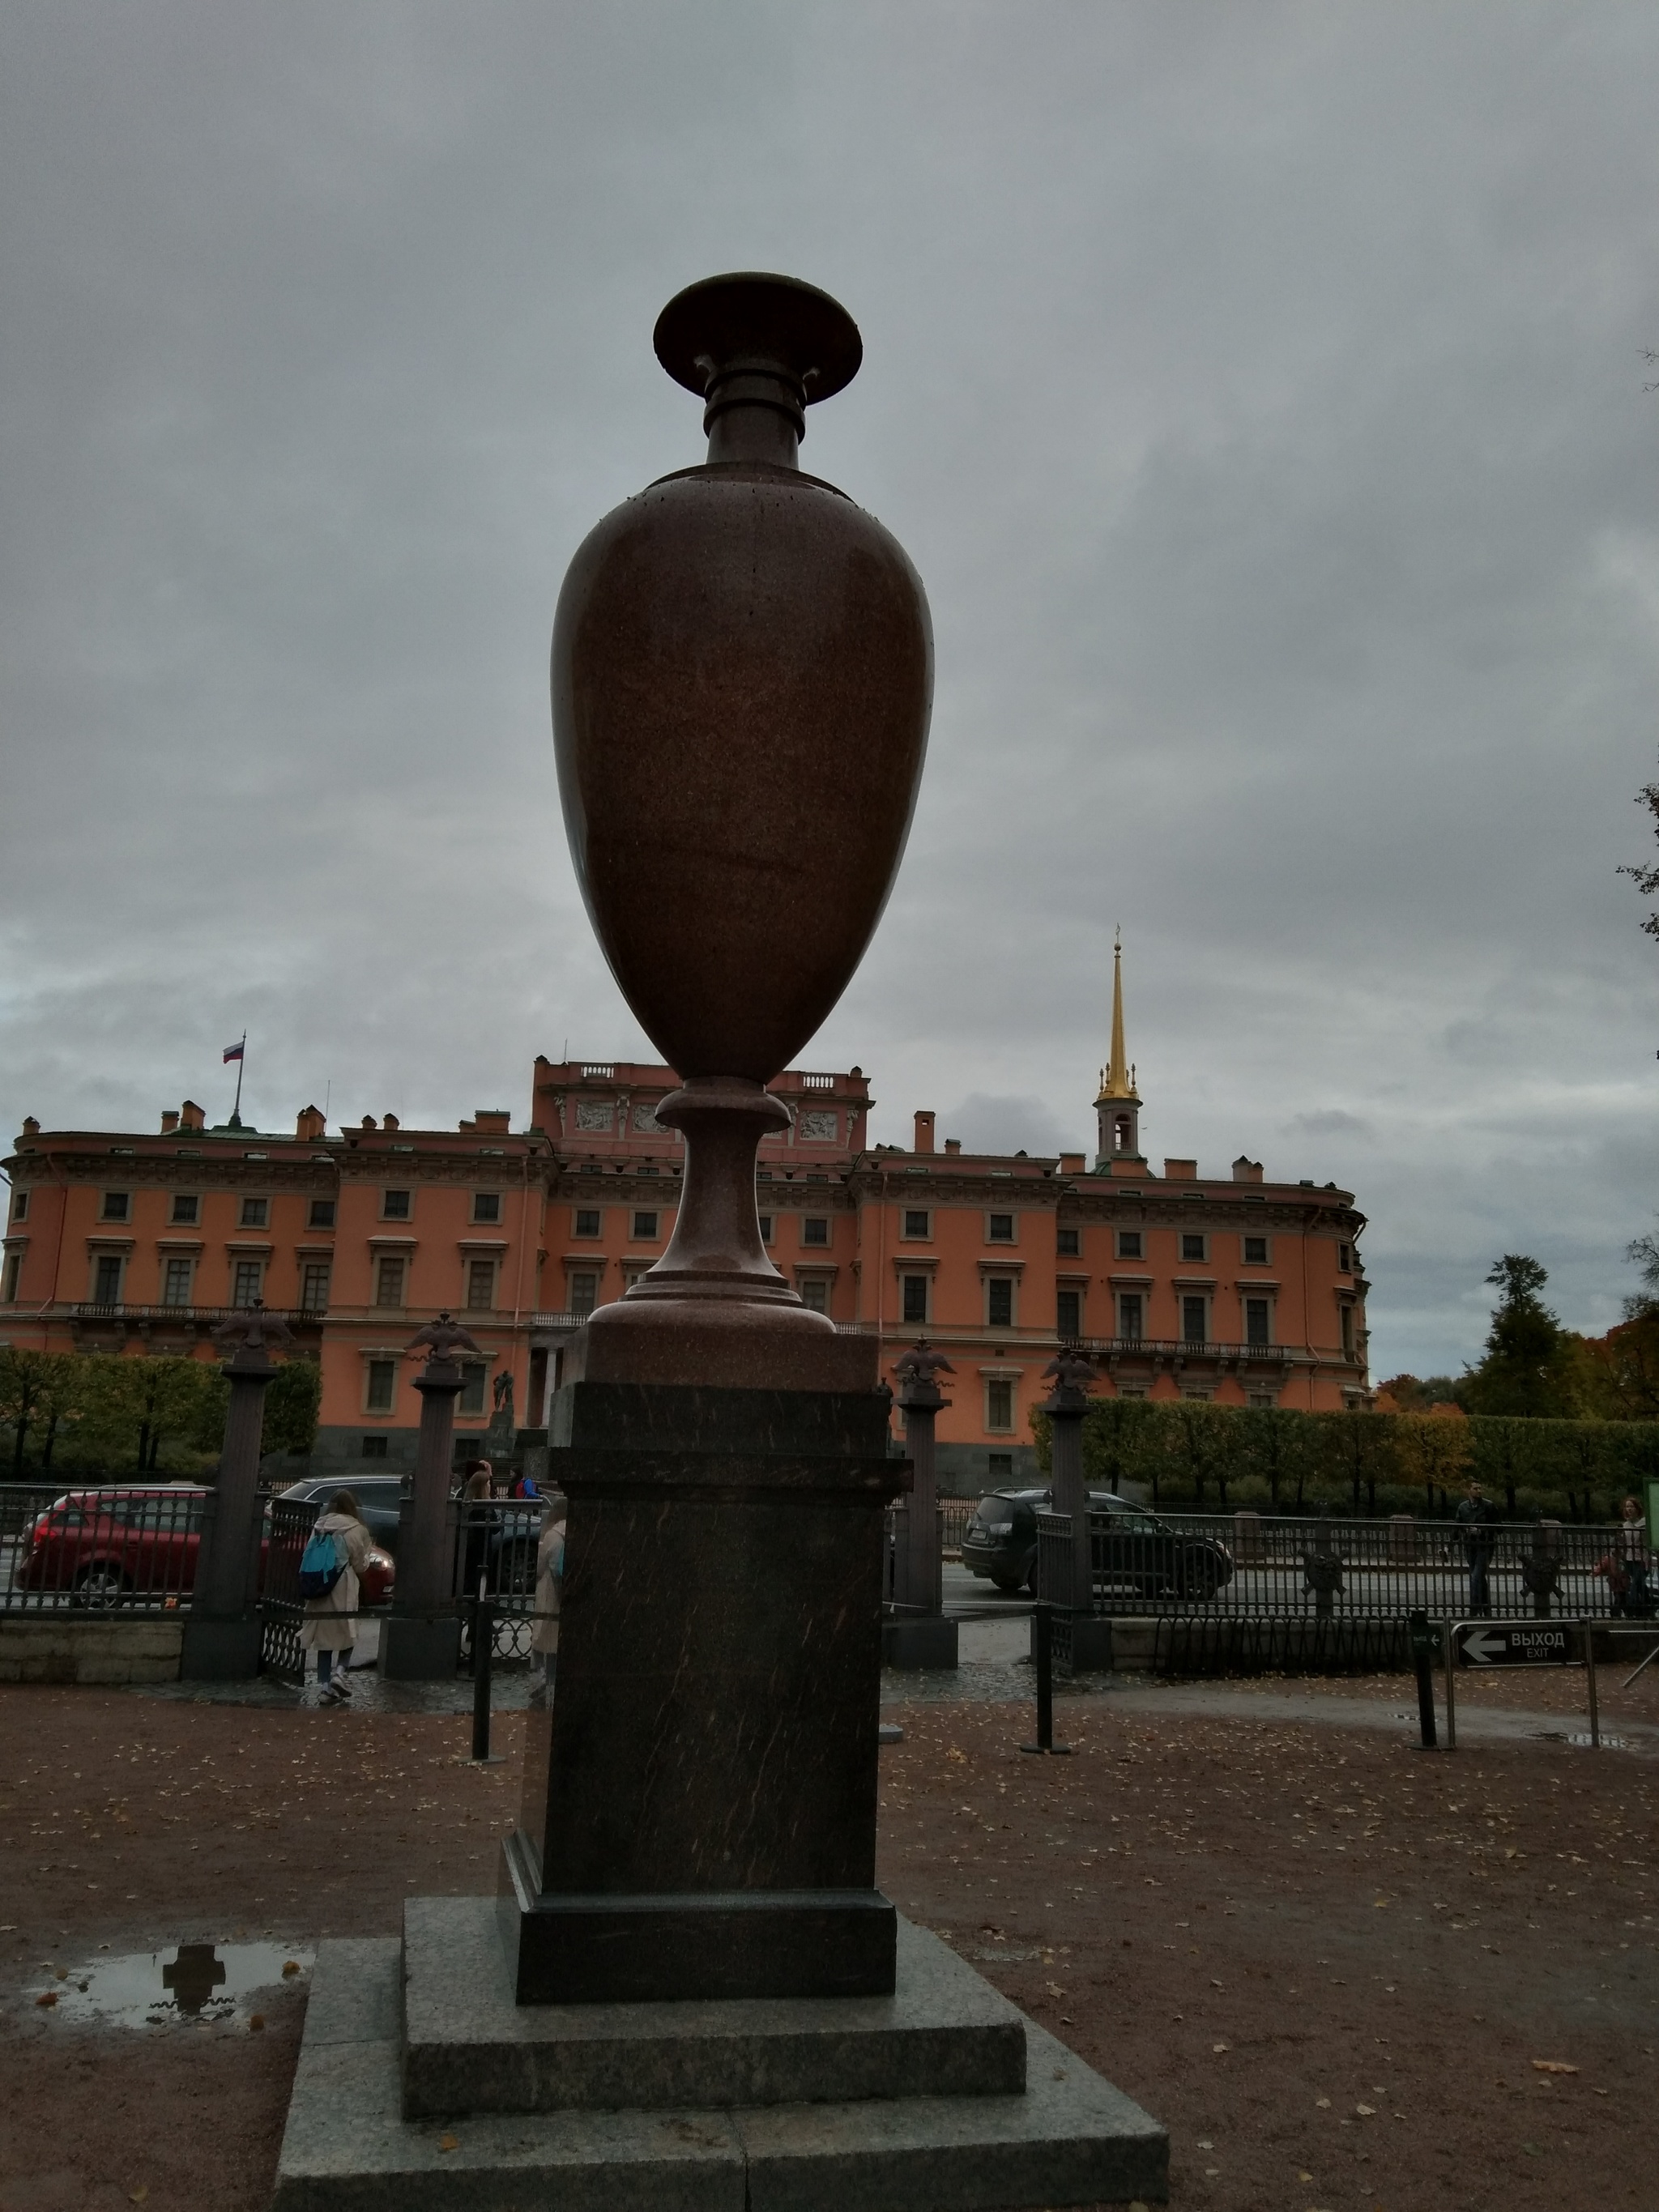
242 1062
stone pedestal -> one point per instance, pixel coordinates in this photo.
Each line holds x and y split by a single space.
421 1641
919 1642
699 1807
222 1631
422 2086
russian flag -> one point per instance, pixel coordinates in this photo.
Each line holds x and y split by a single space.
234 1051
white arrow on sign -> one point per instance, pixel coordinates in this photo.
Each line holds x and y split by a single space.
1485 1645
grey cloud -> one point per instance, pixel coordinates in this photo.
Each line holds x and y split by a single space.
1258 393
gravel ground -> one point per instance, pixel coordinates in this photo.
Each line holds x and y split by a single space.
1327 1961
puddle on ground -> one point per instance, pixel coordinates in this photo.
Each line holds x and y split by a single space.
202 1982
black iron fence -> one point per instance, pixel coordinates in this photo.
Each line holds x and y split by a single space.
94 1548
1247 1566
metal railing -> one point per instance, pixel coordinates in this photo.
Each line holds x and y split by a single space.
92 1309
1245 1566
94 1548
1174 1347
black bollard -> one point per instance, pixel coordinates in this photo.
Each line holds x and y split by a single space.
1422 1635
483 1654
1043 1616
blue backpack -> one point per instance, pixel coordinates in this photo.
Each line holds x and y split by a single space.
322 1563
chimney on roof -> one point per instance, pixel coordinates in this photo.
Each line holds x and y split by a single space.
31 1126
924 1132
169 1121
496 1119
1181 1170
390 1121
309 1124
953 1144
1246 1171
1071 1163
369 1121
191 1117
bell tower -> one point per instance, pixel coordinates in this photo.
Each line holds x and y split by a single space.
1117 1108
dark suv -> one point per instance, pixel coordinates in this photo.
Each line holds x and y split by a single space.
1136 1550
379 1497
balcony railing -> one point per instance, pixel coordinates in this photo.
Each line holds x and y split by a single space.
1166 1347
91 1310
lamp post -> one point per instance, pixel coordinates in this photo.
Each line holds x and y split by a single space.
1072 1377
915 1633
420 1643
221 1635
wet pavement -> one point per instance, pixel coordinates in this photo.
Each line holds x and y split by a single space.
184 1984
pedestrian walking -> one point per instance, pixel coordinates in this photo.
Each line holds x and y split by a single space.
1627 1565
1477 1519
329 1628
550 1591
477 1518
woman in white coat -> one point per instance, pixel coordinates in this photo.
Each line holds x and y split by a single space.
330 1622
550 1580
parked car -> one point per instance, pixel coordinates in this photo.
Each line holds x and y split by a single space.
380 1500
1136 1549
108 1548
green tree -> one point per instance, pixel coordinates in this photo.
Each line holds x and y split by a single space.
1647 879
137 1408
26 1383
1280 1448
1526 1372
291 1405
1435 1452
1119 1443
1355 1452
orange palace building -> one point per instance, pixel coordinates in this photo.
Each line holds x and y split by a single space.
1228 1287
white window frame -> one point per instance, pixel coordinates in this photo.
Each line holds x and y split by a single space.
176 1221
1249 1294
247 1198
999 1275
1010 1214
380 1357
1119 1252
907 1236
126 1215
327 1268
588 1236
1010 1384
1185 1259
257 1261
1195 1344
404 1190
488 1220
189 1262
1122 1334
469 1261
1246 1237
925 1277
382 1260
826 1243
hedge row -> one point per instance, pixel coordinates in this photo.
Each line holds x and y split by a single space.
1188 1452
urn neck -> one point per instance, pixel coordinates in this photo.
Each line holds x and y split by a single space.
754 410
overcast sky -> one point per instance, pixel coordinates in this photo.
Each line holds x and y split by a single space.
1258 389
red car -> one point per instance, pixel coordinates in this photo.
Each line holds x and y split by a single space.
109 1547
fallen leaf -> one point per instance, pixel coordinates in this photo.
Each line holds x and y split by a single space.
137 2196
1218 2047
1323 2103
256 2023
449 2143
290 1966
1553 2066
1305 2177
48 1997
1366 2111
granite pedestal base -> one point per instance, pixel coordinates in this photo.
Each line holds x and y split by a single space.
413 1651
221 1651
927 1643
1091 1646
942 2098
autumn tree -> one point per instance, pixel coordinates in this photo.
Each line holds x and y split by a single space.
1526 1370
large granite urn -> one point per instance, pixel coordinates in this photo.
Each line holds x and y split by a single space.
742 665
742 675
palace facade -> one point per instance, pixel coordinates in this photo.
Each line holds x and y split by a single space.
1183 1283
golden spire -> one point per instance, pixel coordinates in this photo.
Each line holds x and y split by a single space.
1117 1080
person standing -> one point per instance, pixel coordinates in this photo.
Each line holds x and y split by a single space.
329 1628
1477 1517
1630 1552
549 1589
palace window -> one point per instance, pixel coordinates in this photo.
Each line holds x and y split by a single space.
107 1283
999 1228
1068 1242
322 1214
588 1221
1000 1467
472 1387
645 1225
1129 1311
1346 1312
256 1213
14 1269
175 1282
815 1229
584 1292
314 1286
187 1211
1000 1302
1193 1246
389 1282
480 1285
486 1206
1344 1258
1256 1251
381 1383
998 1404
117 1206
1129 1244
1194 1320
247 1282
765 1220
1257 1316
815 1294
374 1448
20 1206
916 1298
396 1205
918 1222
1068 1313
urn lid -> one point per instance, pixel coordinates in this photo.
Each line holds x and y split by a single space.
729 324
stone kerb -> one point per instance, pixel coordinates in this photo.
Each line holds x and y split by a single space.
89 1652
